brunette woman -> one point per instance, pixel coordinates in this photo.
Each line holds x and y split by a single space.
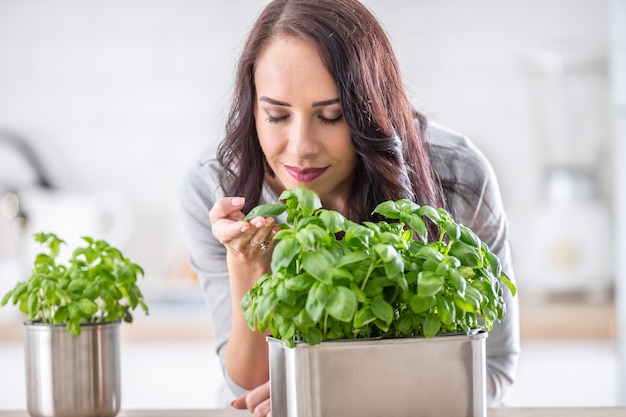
319 103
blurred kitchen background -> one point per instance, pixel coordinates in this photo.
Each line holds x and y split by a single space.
104 104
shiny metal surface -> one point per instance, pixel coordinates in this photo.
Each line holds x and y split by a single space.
412 377
72 376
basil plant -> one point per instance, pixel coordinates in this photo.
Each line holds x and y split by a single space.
335 279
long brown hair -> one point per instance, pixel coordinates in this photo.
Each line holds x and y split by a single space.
386 130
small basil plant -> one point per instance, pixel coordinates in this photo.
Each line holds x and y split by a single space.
97 284
335 279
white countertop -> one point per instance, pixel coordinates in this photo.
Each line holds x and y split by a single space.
500 412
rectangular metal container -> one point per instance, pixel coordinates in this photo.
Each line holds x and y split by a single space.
409 377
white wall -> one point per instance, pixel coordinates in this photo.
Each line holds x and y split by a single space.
618 45
123 94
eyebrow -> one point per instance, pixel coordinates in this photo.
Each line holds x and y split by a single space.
282 103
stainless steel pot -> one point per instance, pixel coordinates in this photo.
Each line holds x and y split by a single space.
409 377
72 376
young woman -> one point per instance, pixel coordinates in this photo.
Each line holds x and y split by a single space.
319 103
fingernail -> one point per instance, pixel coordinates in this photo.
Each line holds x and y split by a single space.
232 403
238 201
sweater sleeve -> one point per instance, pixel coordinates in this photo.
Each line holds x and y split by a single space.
207 256
473 198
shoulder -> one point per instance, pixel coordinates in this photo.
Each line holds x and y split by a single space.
455 157
200 184
468 180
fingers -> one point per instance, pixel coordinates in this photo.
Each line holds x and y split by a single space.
258 396
240 402
248 238
227 208
257 401
263 409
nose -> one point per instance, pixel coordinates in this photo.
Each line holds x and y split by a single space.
303 139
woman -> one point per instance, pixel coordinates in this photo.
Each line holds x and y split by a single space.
319 103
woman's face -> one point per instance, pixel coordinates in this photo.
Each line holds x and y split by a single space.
299 121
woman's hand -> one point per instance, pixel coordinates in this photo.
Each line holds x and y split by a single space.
249 239
257 401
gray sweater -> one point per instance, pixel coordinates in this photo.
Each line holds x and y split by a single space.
474 201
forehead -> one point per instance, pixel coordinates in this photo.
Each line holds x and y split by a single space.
288 62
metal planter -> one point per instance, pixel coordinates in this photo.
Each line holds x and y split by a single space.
412 377
69 375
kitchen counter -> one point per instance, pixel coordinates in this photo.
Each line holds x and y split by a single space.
498 412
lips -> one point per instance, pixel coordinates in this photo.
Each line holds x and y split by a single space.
304 174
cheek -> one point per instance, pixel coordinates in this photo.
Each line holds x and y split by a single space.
268 141
262 134
346 148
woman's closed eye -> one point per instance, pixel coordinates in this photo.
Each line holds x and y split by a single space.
276 119
331 121
326 120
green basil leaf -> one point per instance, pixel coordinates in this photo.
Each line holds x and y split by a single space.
6 298
429 283
73 326
61 315
373 287
75 311
360 295
468 255
313 336
302 320
88 307
446 310
404 327
316 301
266 305
432 324
393 262
388 209
442 268
458 282
266 210
363 317
358 236
351 258
494 263
452 229
250 315
485 289
430 213
300 282
307 200
342 304
504 278
429 252
382 310
78 285
469 237
318 265
19 289
470 302
333 220
421 303
285 294
286 330
33 304
407 206
311 236
284 253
